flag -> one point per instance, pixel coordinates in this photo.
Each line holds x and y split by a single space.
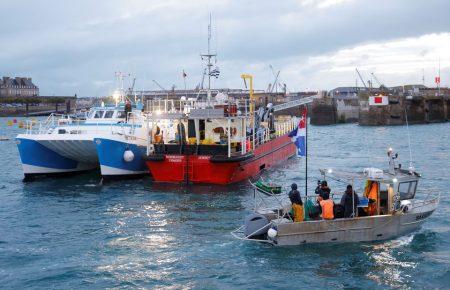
437 80
215 72
298 135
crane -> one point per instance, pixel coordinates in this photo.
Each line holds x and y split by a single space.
131 88
376 79
161 87
275 82
360 77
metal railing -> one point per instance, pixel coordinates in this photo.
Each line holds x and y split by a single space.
76 126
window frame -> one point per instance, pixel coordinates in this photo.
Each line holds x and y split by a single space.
404 195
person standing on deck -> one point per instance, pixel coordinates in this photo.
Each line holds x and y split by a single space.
350 201
327 206
297 204
127 110
323 190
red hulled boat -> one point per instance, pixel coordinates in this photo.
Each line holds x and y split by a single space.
220 169
218 140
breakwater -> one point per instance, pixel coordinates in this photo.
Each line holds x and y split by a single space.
417 109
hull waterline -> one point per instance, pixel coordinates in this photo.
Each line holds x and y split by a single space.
209 169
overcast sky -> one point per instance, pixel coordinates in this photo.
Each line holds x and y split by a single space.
74 47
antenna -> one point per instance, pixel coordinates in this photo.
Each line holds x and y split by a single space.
423 76
411 166
209 55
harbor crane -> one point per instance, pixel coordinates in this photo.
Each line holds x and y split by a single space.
275 82
360 77
131 88
376 79
161 87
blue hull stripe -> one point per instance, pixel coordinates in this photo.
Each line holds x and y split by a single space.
110 153
33 153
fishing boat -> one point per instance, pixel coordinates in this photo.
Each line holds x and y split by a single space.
218 140
395 211
214 138
62 145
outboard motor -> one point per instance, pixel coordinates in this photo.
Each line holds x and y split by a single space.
256 226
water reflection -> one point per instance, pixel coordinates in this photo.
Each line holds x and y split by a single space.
389 268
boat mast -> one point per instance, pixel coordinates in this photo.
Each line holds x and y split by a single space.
209 55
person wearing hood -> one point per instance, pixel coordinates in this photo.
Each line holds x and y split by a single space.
323 190
350 201
297 204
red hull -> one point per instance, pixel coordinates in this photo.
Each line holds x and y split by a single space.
199 168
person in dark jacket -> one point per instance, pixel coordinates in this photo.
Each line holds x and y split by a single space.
294 195
350 201
323 190
127 110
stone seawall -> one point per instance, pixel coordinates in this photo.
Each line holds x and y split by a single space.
415 109
323 111
418 110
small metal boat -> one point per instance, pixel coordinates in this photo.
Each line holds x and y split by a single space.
397 212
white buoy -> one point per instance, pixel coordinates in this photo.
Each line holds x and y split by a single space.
128 155
272 233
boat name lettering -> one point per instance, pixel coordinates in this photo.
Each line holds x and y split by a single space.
422 216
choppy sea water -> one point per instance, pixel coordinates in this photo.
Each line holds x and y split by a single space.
75 233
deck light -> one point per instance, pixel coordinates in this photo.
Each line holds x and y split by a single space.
395 180
330 170
116 96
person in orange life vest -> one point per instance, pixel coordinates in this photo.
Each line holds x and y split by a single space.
327 206
297 204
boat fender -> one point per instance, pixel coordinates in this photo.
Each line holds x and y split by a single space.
272 233
256 225
128 155
405 206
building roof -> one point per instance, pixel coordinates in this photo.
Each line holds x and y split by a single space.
17 81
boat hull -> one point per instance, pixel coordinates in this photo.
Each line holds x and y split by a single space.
362 229
111 158
211 170
37 160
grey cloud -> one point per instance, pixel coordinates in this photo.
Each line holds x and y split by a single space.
62 43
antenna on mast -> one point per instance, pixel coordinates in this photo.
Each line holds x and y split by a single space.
411 166
209 55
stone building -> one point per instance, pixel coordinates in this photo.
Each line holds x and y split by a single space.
17 87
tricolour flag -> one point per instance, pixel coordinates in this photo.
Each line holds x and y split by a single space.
298 135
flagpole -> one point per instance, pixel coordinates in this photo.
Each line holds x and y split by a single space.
306 151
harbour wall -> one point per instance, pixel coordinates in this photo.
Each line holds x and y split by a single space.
415 109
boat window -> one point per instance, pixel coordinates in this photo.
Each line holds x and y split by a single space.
121 114
108 114
98 114
407 190
91 114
